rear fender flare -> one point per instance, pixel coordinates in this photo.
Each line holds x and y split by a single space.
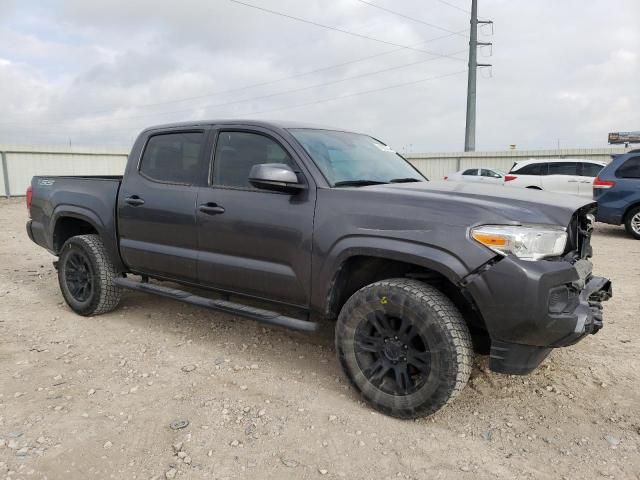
82 213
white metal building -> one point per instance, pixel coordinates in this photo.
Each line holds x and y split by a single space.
21 162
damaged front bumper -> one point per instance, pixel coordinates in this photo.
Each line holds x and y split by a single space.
531 307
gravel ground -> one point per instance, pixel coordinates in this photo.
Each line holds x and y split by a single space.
97 397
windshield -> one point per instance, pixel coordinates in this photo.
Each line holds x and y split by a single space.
354 159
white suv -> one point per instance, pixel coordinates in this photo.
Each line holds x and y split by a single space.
561 175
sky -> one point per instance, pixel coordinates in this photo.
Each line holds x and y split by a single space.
565 73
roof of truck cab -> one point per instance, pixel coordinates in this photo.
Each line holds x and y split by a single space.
279 124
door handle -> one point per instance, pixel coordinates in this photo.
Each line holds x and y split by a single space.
586 181
134 200
572 181
211 208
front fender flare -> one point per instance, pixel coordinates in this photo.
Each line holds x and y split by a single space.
433 258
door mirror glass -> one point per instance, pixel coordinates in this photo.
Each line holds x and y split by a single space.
276 177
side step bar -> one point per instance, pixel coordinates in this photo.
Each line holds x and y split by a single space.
259 314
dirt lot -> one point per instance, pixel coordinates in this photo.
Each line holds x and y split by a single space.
95 397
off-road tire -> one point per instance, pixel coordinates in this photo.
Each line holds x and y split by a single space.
104 295
630 217
441 330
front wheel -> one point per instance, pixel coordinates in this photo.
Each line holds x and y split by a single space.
405 346
632 223
87 276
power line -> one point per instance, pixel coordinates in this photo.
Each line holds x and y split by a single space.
400 47
454 6
347 32
271 95
364 92
329 99
282 79
317 85
402 15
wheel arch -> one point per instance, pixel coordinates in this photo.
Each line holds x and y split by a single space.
628 210
359 267
70 220
70 225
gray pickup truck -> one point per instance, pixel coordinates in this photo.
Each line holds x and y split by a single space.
272 219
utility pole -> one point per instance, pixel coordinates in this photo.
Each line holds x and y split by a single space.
470 129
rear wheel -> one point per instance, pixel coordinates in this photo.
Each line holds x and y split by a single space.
632 223
86 276
404 345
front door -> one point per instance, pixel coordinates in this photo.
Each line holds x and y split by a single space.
157 205
252 241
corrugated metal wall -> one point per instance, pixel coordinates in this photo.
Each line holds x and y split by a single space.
436 165
23 162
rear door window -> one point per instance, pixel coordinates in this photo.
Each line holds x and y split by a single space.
563 168
590 169
629 169
174 158
471 171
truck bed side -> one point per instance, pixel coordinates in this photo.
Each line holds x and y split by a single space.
65 206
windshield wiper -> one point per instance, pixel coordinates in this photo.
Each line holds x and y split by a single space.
357 183
405 180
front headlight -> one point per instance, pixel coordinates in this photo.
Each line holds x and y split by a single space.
528 242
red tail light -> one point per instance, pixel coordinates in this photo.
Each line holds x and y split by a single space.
446 177
508 178
29 198
597 183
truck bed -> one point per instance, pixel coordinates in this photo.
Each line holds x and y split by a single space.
89 196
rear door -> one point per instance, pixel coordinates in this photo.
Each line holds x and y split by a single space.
157 205
562 177
527 176
587 172
255 242
470 175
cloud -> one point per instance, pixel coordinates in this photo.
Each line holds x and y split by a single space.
98 72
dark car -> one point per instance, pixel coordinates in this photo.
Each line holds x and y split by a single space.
278 218
617 191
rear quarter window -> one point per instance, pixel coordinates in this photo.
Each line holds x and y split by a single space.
590 169
629 169
532 169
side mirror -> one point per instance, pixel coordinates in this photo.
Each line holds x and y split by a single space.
276 177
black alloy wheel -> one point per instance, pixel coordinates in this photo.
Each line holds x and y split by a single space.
392 353
78 274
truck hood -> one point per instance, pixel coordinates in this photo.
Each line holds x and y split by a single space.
490 203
